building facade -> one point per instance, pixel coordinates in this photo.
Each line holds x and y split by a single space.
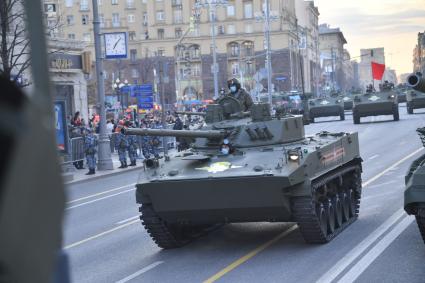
419 54
171 39
331 44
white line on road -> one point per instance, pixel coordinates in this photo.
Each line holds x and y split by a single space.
100 235
382 184
391 167
140 272
128 219
378 249
99 199
373 157
102 193
342 264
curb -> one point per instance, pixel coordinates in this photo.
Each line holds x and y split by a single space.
104 175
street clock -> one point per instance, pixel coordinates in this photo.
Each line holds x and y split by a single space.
115 45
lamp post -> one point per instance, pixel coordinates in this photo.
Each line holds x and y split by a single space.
104 155
117 86
212 5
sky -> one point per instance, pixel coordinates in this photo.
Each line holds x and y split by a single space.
392 24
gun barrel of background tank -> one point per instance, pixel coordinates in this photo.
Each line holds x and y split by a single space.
175 133
191 113
417 82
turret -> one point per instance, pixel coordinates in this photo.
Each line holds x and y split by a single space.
417 82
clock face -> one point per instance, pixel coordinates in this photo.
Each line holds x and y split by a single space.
115 45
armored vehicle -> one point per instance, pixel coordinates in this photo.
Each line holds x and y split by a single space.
348 101
250 167
326 107
375 104
415 97
414 195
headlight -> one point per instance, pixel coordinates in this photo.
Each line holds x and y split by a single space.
293 155
392 96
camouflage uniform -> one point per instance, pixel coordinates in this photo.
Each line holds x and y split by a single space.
132 149
244 98
90 148
121 145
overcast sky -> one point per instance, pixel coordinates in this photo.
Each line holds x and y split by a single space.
393 24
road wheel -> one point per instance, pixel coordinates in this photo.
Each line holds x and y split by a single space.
322 216
345 200
337 204
421 224
342 116
356 118
409 108
331 215
396 113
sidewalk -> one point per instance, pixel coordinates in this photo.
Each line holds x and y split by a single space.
79 176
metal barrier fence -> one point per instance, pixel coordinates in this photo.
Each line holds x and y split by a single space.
76 150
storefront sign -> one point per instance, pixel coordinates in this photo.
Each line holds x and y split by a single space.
65 61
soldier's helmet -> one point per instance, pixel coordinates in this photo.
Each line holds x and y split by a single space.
234 82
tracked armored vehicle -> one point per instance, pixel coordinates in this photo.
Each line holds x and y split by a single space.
250 167
414 195
415 97
375 104
326 107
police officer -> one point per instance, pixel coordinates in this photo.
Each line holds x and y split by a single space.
240 94
132 149
90 148
121 145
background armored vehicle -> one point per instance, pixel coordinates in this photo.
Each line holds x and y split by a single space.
326 107
414 195
249 167
375 104
416 97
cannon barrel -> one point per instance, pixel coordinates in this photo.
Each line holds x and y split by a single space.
191 113
416 82
211 134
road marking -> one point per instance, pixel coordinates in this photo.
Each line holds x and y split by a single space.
377 250
102 193
250 255
382 184
100 235
391 167
343 263
373 157
99 199
140 272
128 219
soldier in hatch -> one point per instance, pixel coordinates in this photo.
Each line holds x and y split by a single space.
240 94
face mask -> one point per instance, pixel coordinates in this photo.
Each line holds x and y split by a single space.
225 150
233 89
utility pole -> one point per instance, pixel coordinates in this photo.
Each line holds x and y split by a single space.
161 69
333 67
268 53
104 154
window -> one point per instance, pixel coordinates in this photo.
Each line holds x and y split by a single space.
161 52
235 68
231 29
84 5
50 8
195 52
130 4
196 70
160 16
102 20
178 32
161 33
131 18
248 48
234 49
115 19
70 20
114 2
220 29
87 37
231 10
145 18
247 10
131 35
133 55
71 36
177 15
134 73
85 19
69 3
249 68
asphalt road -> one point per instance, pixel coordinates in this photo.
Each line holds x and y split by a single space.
107 243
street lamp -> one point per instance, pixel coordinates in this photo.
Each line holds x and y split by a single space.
212 5
117 86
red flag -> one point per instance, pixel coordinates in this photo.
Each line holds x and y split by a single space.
378 71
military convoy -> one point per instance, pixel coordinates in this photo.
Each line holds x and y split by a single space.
383 102
414 195
250 167
326 107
